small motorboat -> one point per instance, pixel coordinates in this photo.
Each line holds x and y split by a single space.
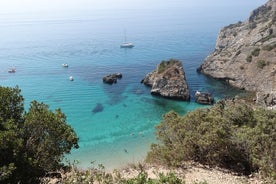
65 65
71 78
12 70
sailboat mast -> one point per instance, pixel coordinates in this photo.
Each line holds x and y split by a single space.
125 35
126 44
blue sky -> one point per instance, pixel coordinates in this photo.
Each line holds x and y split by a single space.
15 6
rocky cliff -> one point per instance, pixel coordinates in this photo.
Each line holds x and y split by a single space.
168 81
245 54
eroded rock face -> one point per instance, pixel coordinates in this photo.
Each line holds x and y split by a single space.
266 99
168 81
245 53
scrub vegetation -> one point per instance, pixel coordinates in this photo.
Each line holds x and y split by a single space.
33 142
230 134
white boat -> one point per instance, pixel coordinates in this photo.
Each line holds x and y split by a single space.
65 65
126 44
12 70
71 78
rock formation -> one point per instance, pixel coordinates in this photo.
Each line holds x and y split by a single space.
204 98
245 54
168 81
112 78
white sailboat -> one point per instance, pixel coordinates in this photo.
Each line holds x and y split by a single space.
126 44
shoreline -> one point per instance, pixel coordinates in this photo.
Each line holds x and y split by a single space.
114 155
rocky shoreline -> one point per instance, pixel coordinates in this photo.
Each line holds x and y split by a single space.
245 55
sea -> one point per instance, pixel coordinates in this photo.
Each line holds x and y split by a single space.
115 123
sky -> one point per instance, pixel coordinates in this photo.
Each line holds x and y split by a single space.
25 6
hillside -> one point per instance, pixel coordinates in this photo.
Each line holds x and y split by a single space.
245 55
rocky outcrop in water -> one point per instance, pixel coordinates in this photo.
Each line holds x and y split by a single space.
168 81
245 53
204 98
112 78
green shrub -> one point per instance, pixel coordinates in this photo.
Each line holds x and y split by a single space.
256 52
31 143
261 64
165 64
230 134
249 58
252 25
267 38
269 47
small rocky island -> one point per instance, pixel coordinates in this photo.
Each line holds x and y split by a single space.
245 55
168 81
112 78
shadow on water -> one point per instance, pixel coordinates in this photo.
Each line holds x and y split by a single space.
222 89
164 105
115 92
218 88
98 108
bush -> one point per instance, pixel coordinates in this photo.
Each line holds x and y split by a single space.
229 134
31 143
261 64
249 58
256 52
165 64
269 47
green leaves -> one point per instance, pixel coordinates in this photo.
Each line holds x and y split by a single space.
47 136
31 143
229 134
11 104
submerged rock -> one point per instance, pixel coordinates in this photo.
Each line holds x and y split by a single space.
168 81
98 108
112 78
204 98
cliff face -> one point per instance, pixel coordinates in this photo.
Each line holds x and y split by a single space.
245 54
168 81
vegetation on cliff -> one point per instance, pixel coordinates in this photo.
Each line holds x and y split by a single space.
230 134
165 64
245 55
32 143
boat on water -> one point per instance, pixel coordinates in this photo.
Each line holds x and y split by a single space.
65 65
71 78
12 70
126 44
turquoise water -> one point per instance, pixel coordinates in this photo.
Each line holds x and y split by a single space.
89 43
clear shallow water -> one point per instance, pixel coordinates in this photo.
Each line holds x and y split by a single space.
89 43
